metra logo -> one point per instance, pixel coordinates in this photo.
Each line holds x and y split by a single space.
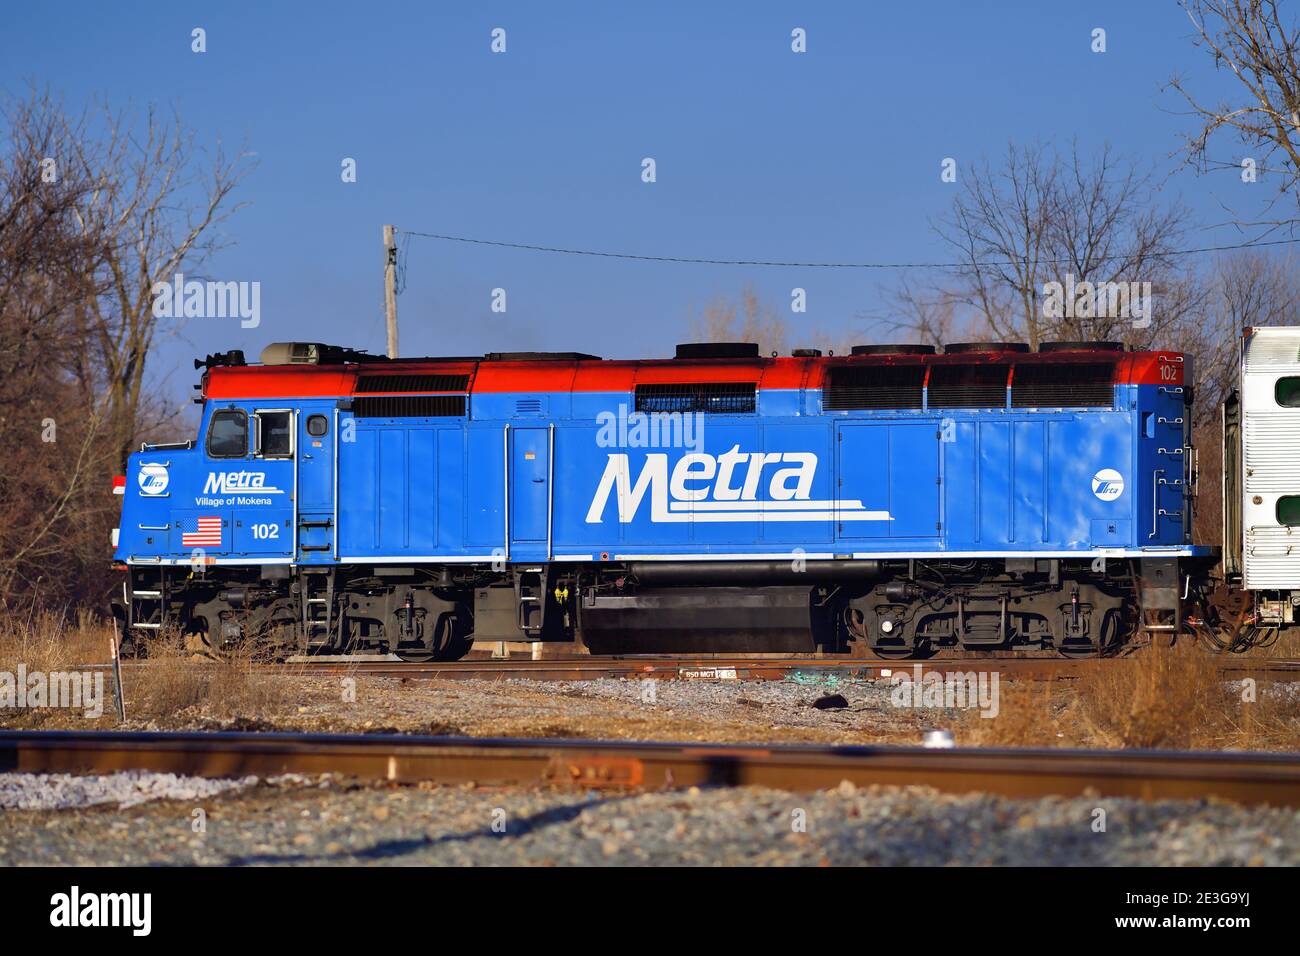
723 488
1108 484
153 479
235 482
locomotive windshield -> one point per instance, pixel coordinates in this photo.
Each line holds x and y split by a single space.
228 434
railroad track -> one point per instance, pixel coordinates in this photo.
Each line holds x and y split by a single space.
1250 778
810 670
814 670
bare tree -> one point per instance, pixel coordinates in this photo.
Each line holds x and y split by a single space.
154 211
94 209
1040 218
748 320
1258 45
928 315
40 243
1248 288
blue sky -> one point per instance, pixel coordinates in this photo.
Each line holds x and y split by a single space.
760 152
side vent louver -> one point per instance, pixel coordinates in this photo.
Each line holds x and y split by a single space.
968 386
717 397
1087 385
897 386
412 383
410 406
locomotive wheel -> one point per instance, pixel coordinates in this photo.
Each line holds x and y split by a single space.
450 644
1074 651
1110 642
920 651
453 652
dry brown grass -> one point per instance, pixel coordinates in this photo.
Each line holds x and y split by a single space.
172 687
1286 645
1162 698
174 681
45 642
1165 698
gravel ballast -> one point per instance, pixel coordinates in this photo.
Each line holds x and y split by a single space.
64 791
324 821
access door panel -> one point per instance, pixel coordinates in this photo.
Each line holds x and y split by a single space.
530 464
888 480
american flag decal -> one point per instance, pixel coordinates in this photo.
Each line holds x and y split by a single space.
207 534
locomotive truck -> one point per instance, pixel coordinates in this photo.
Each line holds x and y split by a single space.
895 499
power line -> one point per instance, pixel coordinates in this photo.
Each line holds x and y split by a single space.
824 265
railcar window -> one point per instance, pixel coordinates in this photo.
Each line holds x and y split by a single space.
274 434
317 425
228 434
1287 391
1288 510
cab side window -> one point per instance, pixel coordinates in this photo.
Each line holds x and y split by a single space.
228 434
274 434
1288 510
1287 391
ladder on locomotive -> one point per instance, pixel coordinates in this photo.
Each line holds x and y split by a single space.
317 611
1160 603
531 586
146 608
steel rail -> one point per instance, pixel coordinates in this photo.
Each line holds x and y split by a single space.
816 670
1249 778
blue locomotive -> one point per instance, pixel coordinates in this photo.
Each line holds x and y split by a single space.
895 499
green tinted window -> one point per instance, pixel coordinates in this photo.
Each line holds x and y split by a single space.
1287 391
1288 510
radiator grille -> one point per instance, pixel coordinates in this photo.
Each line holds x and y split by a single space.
413 383
1088 385
715 397
880 386
410 406
968 386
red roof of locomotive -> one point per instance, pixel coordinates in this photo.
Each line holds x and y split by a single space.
621 375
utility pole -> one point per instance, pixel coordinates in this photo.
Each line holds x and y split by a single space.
390 287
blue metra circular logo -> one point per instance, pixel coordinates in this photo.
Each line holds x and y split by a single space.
153 479
1108 484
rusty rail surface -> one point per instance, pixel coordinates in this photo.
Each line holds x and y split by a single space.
811 670
1251 778
743 668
